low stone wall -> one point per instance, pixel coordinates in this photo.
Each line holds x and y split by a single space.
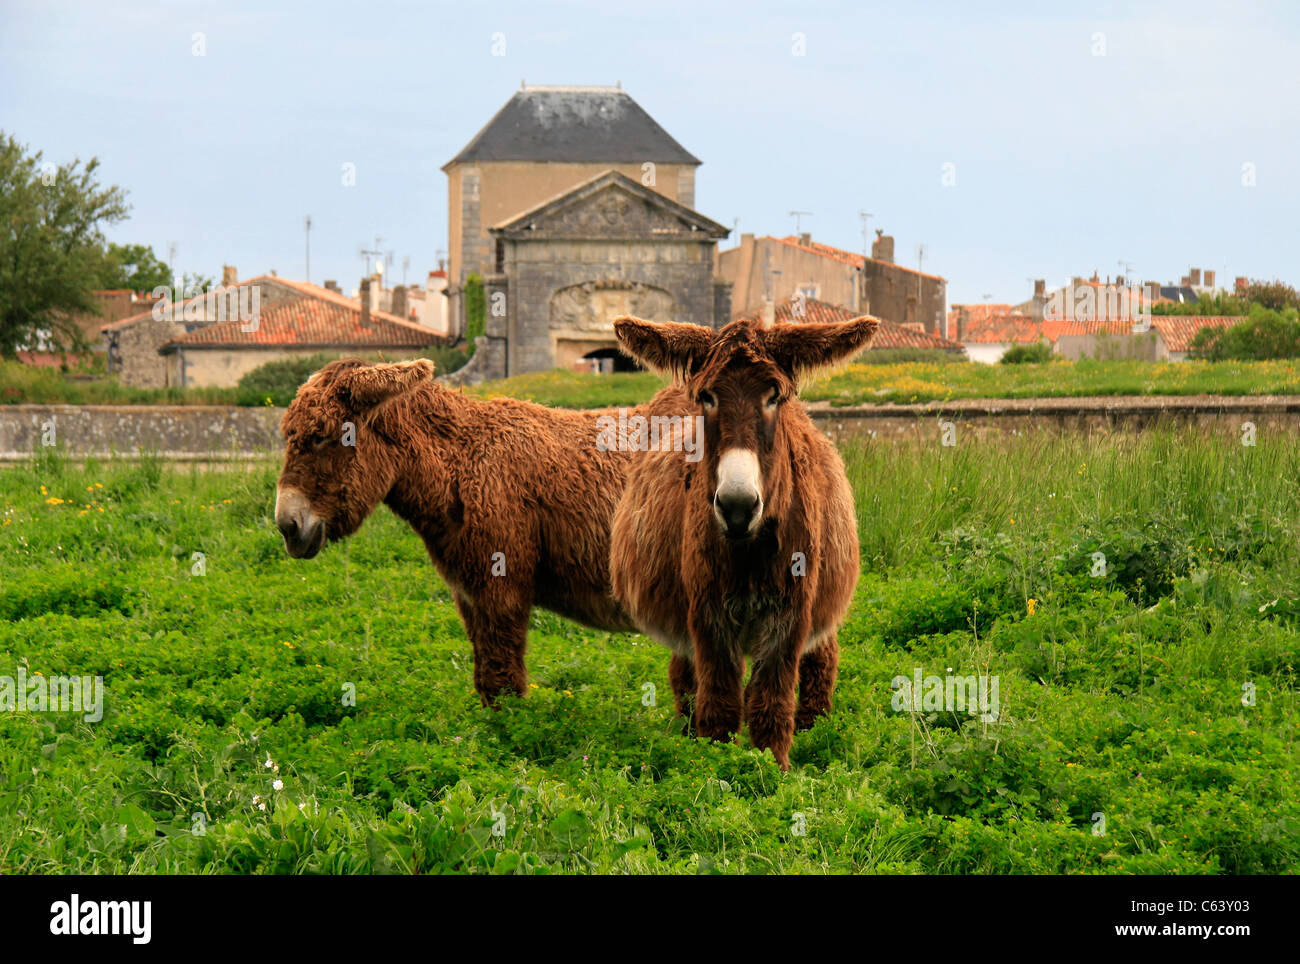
208 432
1086 416
224 433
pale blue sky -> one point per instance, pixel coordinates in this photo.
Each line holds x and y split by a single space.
1065 162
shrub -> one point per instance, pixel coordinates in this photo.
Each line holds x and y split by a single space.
276 382
1028 354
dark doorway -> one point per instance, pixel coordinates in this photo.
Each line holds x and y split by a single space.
613 360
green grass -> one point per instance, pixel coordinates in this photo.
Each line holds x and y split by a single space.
1121 693
864 383
908 382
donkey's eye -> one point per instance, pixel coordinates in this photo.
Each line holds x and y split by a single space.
772 399
317 441
708 401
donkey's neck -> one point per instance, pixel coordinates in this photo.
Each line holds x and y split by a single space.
426 428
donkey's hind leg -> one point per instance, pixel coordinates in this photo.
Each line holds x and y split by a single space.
817 671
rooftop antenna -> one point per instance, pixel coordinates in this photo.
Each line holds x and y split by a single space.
865 216
406 263
366 255
1127 266
171 262
307 228
920 261
797 215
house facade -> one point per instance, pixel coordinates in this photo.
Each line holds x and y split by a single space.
565 269
770 269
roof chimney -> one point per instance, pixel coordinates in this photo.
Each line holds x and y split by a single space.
882 249
1040 299
1209 279
365 302
805 238
228 275
1195 275
401 306
333 286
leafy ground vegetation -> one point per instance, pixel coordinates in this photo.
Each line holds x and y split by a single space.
1147 719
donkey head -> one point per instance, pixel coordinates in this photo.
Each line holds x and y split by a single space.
742 378
336 469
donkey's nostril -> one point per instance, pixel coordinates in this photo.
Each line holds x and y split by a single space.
288 528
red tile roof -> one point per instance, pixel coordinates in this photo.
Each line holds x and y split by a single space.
888 335
309 323
311 317
1179 330
842 256
1002 328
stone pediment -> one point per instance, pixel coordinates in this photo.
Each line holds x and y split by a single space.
610 206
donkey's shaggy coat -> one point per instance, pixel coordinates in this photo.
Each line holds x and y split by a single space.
752 551
513 500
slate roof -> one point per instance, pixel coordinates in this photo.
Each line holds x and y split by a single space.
888 335
577 124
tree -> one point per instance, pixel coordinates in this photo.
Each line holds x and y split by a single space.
1264 334
132 266
1274 295
51 243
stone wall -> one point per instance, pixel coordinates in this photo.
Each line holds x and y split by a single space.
175 431
222 432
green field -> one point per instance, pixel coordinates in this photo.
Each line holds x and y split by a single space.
1148 711
863 383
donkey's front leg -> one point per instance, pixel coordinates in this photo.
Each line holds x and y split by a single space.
718 672
681 674
497 624
769 697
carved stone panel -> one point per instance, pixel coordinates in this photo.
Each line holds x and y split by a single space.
593 305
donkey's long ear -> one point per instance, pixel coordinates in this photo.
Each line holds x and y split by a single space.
369 385
667 347
805 350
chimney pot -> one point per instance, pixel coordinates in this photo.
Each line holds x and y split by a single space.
365 302
1195 275
228 275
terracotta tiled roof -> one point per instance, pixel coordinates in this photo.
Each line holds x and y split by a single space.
1179 330
310 317
1055 328
842 256
310 323
888 335
1002 328
976 312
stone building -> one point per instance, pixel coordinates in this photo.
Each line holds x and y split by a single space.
565 269
574 206
769 269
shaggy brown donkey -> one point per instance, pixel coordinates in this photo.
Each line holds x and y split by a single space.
752 550
513 500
